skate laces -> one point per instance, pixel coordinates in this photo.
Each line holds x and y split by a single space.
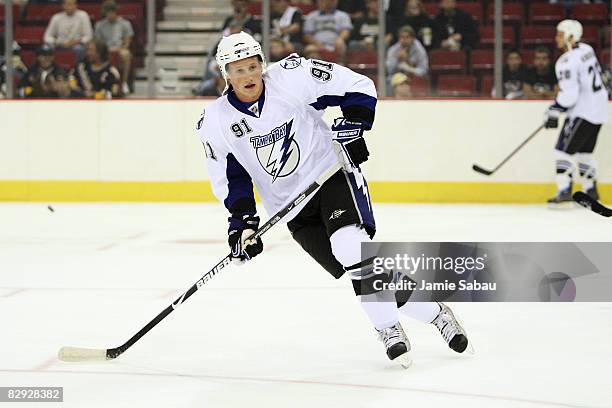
392 335
446 324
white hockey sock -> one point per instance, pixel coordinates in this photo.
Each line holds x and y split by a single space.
587 165
380 307
565 169
422 311
382 314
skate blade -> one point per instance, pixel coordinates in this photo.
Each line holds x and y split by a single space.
404 360
569 205
470 347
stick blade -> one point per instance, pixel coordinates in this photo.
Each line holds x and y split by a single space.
79 354
591 204
480 170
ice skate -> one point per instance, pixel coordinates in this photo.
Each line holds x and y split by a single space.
592 192
563 200
452 331
396 343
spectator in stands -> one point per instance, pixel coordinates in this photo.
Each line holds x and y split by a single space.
95 77
415 16
279 50
39 81
455 28
212 86
514 75
327 29
19 68
354 8
242 17
541 80
70 29
62 88
400 85
117 33
287 24
365 29
407 55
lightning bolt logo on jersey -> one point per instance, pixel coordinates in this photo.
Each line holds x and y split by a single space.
278 152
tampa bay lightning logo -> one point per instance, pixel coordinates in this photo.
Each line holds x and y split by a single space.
277 152
290 63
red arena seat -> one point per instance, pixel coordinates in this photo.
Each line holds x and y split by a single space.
486 85
487 36
482 60
29 36
15 13
511 12
362 60
41 13
539 35
420 86
596 13
331 56
447 61
65 59
545 13
590 35
456 85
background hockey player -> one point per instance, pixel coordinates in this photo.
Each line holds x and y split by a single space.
584 98
268 128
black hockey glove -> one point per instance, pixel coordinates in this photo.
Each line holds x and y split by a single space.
349 144
241 227
551 117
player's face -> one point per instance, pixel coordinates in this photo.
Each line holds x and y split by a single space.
560 40
246 77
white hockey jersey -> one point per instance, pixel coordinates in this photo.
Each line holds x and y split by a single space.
280 142
582 91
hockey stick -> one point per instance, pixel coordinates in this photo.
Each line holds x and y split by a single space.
591 204
74 354
486 172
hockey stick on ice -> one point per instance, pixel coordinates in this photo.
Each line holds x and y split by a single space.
486 172
74 354
590 203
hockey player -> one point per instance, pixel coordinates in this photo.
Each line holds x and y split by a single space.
268 128
584 98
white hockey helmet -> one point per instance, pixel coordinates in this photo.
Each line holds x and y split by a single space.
236 47
570 29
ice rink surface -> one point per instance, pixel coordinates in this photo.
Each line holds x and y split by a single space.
278 332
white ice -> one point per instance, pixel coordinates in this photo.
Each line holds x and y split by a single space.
278 332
